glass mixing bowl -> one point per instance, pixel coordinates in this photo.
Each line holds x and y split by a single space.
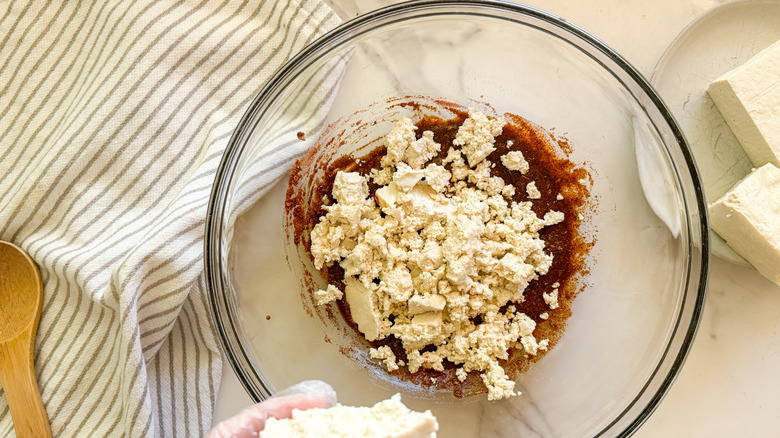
636 318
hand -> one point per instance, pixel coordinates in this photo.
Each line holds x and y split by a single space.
249 422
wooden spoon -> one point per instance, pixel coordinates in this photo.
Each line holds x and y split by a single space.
21 297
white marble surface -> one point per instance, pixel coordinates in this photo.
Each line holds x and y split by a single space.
730 384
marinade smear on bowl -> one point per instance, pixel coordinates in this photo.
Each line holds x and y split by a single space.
562 187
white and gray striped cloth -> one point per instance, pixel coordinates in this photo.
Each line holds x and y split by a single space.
113 118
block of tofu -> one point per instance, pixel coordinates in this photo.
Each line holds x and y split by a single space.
431 303
387 196
748 97
747 217
386 419
362 309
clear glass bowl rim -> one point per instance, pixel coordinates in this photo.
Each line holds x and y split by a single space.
222 304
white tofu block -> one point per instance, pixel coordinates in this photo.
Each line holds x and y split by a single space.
406 177
387 196
747 217
427 319
362 308
421 304
748 97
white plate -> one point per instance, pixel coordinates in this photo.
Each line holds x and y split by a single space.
716 42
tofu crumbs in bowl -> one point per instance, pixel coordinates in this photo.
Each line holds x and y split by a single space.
451 247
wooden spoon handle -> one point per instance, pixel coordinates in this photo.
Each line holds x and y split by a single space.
17 375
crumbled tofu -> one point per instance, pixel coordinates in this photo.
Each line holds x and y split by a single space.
544 315
437 248
553 217
508 191
437 177
477 135
422 150
398 282
499 385
514 160
532 191
385 354
514 268
551 298
349 188
748 97
398 140
381 176
386 419
559 197
331 293
748 219
531 346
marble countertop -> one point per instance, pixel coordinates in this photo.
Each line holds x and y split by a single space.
729 384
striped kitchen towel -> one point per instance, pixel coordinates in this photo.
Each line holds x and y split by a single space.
113 118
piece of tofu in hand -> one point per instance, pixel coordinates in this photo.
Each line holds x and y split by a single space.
387 419
747 217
